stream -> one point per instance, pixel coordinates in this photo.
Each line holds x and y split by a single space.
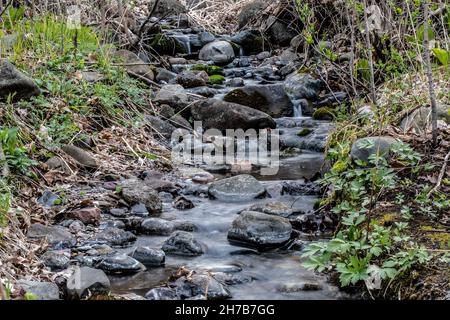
273 274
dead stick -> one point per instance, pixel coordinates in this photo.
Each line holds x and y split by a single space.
441 175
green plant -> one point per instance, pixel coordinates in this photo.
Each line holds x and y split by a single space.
15 156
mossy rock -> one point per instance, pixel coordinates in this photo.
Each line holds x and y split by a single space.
216 79
166 45
324 113
304 132
210 70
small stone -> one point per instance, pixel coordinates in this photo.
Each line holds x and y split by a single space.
121 264
156 226
182 243
149 257
86 215
135 191
80 156
49 199
161 293
116 237
139 210
118 212
55 260
183 203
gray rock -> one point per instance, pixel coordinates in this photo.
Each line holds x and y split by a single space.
58 237
235 82
48 199
165 75
251 41
134 65
223 115
259 230
87 281
249 11
419 121
183 244
203 91
279 33
271 99
55 260
220 52
174 95
139 210
206 37
274 208
166 8
56 163
149 257
135 191
201 285
42 290
160 126
238 188
13 82
81 156
121 264
375 145
156 226
118 212
301 286
189 79
302 86
115 237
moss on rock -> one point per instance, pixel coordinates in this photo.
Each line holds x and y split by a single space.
216 79
324 113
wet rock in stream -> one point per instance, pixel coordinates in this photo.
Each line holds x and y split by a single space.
182 243
115 237
237 188
87 281
259 230
121 264
149 257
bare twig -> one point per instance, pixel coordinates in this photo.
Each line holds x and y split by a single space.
441 175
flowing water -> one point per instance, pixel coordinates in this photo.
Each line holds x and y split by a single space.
267 275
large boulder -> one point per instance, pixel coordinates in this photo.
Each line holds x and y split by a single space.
41 290
224 115
15 83
220 52
271 99
134 65
87 281
238 188
259 230
303 86
364 148
135 191
182 243
166 8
